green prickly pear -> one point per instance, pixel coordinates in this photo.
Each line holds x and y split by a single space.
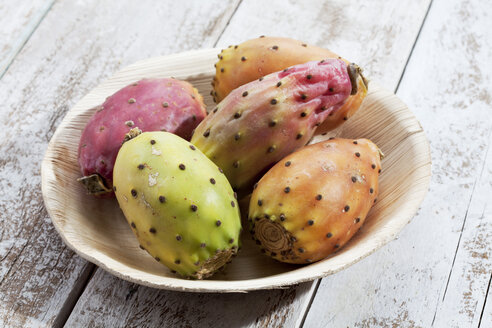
178 203
261 122
312 202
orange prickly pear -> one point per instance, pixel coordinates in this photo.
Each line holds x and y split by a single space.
261 122
313 201
254 58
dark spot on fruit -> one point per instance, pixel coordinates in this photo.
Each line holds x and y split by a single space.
134 193
212 180
271 149
309 77
303 96
152 230
131 100
279 84
287 190
114 188
233 204
354 179
357 154
371 190
260 79
260 202
194 208
275 47
329 235
231 240
285 70
318 197
235 195
357 220
222 69
235 164
162 199
303 114
178 237
177 262
218 223
192 147
273 101
215 109
157 259
304 45
206 133
337 246
345 118
237 115
173 271
182 166
299 136
272 123
152 142
141 247
141 166
346 208
373 166
379 171
245 93
220 170
375 199
301 250
310 222
293 239
133 225
287 163
330 89
237 136
203 245
243 58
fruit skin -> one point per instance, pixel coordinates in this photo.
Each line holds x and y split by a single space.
149 104
254 58
261 122
179 205
313 201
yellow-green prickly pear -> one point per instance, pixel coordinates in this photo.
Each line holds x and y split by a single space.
178 203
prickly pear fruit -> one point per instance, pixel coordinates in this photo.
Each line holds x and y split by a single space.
261 122
254 58
151 105
178 203
313 201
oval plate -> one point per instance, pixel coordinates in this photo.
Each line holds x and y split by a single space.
97 231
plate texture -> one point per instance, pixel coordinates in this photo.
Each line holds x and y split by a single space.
97 230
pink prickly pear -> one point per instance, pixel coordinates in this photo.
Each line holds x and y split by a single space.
261 122
149 104
312 202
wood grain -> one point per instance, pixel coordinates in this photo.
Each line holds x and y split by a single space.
76 46
19 19
335 22
438 272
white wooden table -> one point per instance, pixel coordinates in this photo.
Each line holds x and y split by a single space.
436 55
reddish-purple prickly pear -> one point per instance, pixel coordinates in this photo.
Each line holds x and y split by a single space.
313 201
261 122
151 105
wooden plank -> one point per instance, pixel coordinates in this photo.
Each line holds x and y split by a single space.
76 46
18 19
438 271
341 25
139 306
